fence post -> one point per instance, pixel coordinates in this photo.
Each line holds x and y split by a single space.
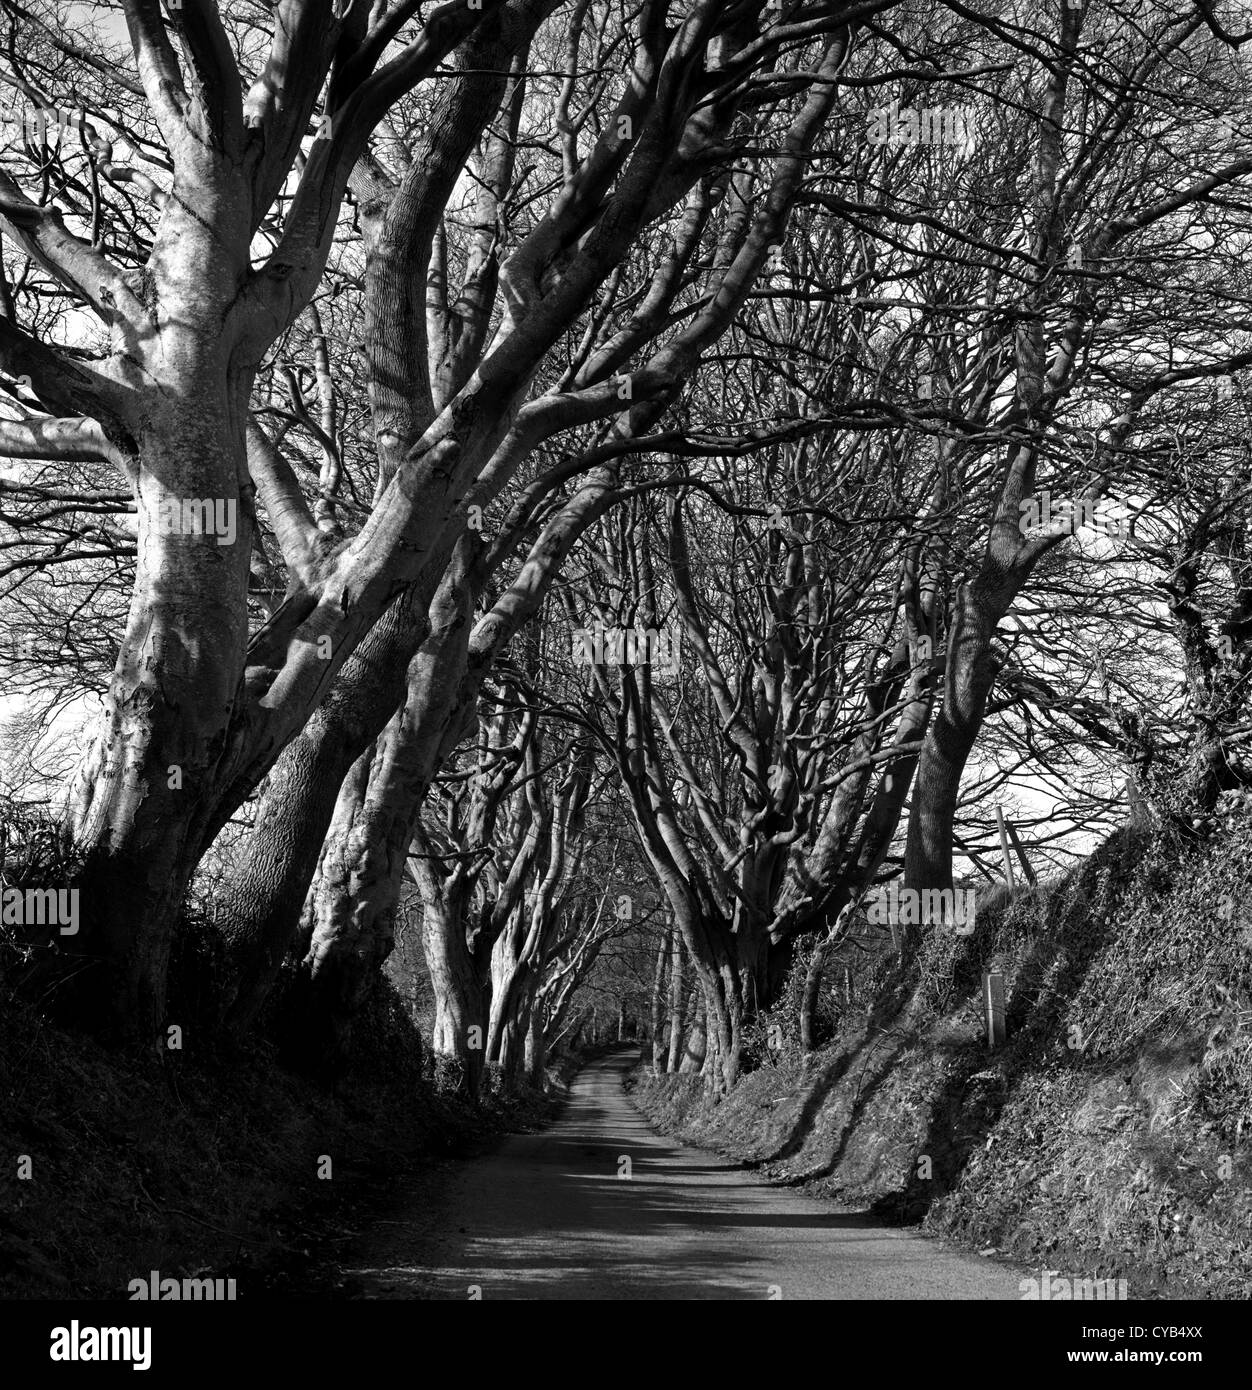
1005 851
1021 853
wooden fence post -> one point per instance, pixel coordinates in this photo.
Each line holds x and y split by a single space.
1021 853
1005 851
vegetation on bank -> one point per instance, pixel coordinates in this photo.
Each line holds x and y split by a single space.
1108 1136
200 1165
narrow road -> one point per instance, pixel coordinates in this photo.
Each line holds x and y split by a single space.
547 1216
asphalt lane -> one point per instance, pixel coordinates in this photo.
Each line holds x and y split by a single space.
597 1206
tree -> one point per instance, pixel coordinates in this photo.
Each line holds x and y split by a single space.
199 706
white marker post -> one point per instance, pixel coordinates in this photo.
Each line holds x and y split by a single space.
993 1006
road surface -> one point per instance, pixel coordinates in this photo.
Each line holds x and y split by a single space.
547 1216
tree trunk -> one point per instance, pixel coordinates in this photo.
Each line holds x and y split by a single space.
536 1050
695 1044
658 998
356 897
676 999
142 802
269 885
508 986
812 991
460 1033
511 1035
971 672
